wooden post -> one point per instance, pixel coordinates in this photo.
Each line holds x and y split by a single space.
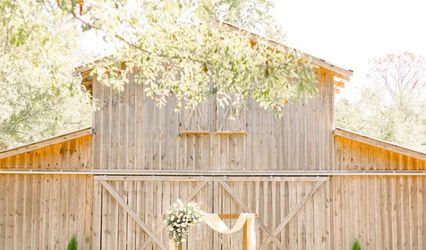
245 237
245 228
97 214
180 246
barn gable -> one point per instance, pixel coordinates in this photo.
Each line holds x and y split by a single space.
145 137
310 185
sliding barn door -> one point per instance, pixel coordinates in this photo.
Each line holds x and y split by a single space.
292 213
129 212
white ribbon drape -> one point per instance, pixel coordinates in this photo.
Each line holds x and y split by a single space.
216 223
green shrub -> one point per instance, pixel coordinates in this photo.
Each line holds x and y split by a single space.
356 245
73 245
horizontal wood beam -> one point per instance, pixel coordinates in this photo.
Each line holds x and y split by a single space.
229 216
288 175
230 133
201 133
193 132
339 84
379 143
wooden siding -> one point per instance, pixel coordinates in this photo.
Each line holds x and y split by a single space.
74 154
132 133
380 143
295 211
45 211
381 212
354 155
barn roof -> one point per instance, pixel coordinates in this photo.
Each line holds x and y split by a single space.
341 74
44 143
344 73
380 143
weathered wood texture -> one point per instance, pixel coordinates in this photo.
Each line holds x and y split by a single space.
45 211
131 132
74 154
291 214
380 143
381 212
354 155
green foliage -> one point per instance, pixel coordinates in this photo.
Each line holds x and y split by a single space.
174 48
392 108
73 244
253 15
182 51
40 93
356 245
402 122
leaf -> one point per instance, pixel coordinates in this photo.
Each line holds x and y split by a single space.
86 27
73 245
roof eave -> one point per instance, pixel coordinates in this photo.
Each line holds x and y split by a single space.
380 143
44 143
344 73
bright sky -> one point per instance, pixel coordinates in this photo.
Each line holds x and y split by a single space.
351 32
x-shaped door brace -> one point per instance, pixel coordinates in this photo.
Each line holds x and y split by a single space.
191 115
137 218
197 189
226 116
271 235
291 215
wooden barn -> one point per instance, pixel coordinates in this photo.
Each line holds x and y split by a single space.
310 184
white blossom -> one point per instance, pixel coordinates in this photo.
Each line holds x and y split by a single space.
180 218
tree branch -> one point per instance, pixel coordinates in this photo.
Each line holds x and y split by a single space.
122 39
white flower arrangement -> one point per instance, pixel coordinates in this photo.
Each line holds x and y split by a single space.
180 218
